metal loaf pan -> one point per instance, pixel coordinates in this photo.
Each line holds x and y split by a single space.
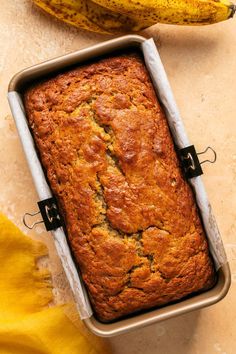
18 83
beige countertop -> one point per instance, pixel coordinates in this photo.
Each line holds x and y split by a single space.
201 66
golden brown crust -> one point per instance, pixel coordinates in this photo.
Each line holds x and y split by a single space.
130 215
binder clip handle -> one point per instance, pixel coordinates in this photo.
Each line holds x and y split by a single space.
213 160
25 217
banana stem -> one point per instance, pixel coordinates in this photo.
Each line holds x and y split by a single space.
233 10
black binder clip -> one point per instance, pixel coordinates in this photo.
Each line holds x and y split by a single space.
191 164
50 214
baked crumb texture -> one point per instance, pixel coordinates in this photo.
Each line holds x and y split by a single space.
130 215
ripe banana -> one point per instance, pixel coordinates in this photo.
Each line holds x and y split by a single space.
181 12
91 16
119 16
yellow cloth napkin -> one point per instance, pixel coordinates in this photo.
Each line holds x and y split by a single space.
27 324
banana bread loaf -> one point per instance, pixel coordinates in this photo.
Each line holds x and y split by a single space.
130 215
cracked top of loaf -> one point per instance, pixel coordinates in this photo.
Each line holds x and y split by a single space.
130 215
